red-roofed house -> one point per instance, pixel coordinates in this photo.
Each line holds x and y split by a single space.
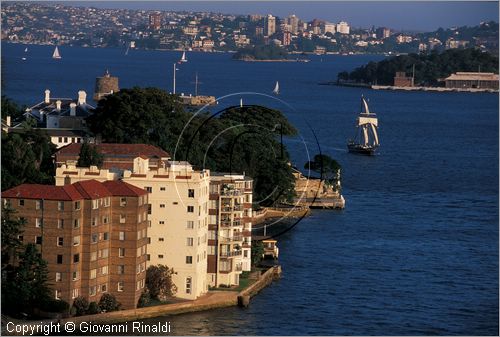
93 236
117 156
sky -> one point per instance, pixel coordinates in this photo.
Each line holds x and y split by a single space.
398 15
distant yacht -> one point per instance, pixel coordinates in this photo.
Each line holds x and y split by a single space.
276 90
56 54
366 139
25 53
183 58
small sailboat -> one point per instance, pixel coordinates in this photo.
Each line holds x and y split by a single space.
25 53
276 90
366 139
183 58
56 54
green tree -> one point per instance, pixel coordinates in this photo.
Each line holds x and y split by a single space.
326 166
10 108
108 303
28 287
89 155
80 305
159 282
12 228
257 252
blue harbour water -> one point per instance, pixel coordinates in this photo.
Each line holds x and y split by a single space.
415 252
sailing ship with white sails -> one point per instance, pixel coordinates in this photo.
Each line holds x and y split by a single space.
56 54
25 53
366 139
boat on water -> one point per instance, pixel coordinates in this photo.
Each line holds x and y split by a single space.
366 139
183 58
276 90
56 54
24 58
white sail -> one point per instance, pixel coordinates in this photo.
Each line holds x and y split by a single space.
375 135
365 104
276 88
365 135
26 50
367 120
183 58
56 54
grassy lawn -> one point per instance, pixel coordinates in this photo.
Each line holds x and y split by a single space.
244 282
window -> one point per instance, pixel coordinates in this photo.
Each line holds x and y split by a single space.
190 193
93 274
122 236
103 253
160 256
94 238
105 236
77 205
105 219
190 209
21 202
76 258
122 218
149 241
161 239
95 221
38 222
162 188
121 269
189 260
149 208
148 257
60 140
58 277
75 276
60 223
188 285
189 241
211 250
38 204
38 240
162 222
60 241
59 259
104 288
190 225
123 201
120 286
245 253
93 256
104 270
162 205
92 290
107 202
76 224
57 294
75 293
76 240
121 252
66 140
175 203
149 189
95 204
20 237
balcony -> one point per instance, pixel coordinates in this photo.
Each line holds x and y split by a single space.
238 208
234 253
226 209
225 223
230 193
238 267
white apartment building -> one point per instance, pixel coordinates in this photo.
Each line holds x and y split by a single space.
343 27
178 221
230 227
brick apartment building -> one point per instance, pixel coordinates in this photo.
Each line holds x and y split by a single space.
93 236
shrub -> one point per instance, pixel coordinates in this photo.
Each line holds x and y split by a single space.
109 303
81 305
144 299
93 308
53 305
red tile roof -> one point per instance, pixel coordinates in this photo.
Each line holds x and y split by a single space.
92 189
121 188
122 150
47 192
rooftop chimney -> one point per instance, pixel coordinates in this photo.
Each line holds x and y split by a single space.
58 105
72 109
82 96
47 96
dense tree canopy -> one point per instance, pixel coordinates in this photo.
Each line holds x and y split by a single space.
89 155
428 68
159 282
238 139
326 166
27 158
